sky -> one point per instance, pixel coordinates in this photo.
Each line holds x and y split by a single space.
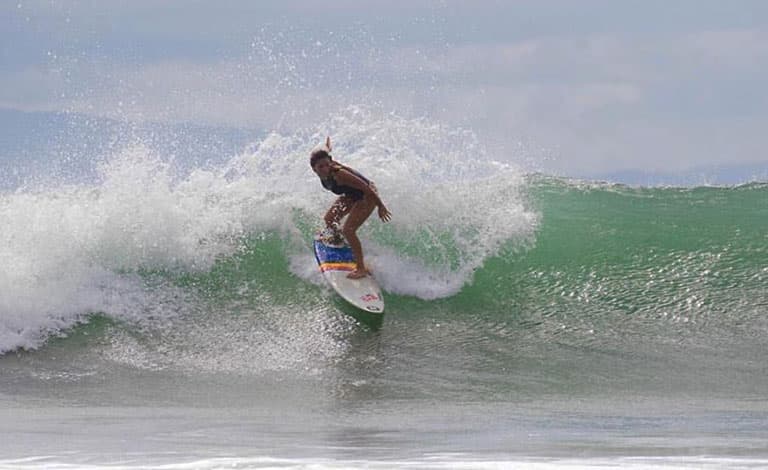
583 87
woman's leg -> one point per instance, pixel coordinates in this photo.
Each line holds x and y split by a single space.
338 210
359 213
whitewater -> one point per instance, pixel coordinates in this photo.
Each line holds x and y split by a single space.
74 250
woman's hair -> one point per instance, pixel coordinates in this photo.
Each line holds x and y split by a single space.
318 155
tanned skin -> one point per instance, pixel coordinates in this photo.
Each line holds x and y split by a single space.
357 212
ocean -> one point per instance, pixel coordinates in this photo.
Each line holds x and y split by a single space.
159 312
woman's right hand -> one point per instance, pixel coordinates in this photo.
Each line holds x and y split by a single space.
384 213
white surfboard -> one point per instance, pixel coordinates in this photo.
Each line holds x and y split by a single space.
335 262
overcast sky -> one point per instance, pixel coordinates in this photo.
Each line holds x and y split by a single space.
593 86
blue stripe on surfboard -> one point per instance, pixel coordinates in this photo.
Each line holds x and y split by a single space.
329 254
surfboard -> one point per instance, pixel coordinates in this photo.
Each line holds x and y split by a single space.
335 262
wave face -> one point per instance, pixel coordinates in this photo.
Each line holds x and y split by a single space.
481 263
645 261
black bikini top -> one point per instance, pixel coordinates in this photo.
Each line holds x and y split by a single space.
331 185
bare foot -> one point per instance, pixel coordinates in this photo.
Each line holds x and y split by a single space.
359 274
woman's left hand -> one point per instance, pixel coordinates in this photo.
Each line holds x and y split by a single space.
384 213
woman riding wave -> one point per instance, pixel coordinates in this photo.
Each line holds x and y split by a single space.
357 198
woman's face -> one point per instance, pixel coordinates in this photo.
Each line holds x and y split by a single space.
323 167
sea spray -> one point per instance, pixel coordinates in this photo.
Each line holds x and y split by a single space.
73 250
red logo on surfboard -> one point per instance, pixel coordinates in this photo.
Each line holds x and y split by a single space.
369 297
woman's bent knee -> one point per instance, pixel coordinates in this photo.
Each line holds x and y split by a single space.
348 231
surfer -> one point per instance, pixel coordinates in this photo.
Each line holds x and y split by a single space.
357 198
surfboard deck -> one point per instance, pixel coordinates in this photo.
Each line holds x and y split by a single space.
335 262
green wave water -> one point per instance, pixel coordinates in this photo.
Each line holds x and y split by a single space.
619 274
677 254
621 292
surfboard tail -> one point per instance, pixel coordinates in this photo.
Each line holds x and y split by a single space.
335 263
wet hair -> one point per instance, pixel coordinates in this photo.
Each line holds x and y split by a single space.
318 155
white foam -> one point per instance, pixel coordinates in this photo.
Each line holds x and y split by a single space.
439 461
67 251
453 206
